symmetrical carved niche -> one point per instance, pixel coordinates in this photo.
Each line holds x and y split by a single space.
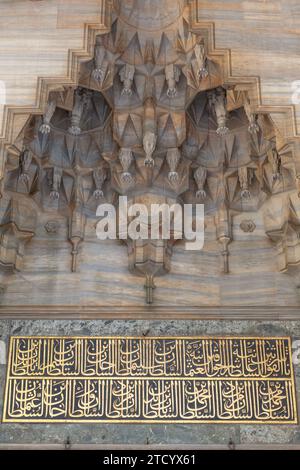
153 119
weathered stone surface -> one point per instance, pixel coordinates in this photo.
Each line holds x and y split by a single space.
2 352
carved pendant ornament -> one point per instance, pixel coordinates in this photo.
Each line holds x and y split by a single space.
151 119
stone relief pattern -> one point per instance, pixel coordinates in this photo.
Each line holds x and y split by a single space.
150 119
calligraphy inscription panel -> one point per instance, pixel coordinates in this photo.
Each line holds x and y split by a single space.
138 380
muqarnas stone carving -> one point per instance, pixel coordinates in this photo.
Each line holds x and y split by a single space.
152 119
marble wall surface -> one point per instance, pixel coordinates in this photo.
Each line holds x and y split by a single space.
195 279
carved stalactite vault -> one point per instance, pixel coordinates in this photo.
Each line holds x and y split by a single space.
152 116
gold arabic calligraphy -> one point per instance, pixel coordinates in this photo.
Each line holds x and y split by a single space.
150 379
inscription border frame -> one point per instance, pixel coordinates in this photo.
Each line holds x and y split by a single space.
144 421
